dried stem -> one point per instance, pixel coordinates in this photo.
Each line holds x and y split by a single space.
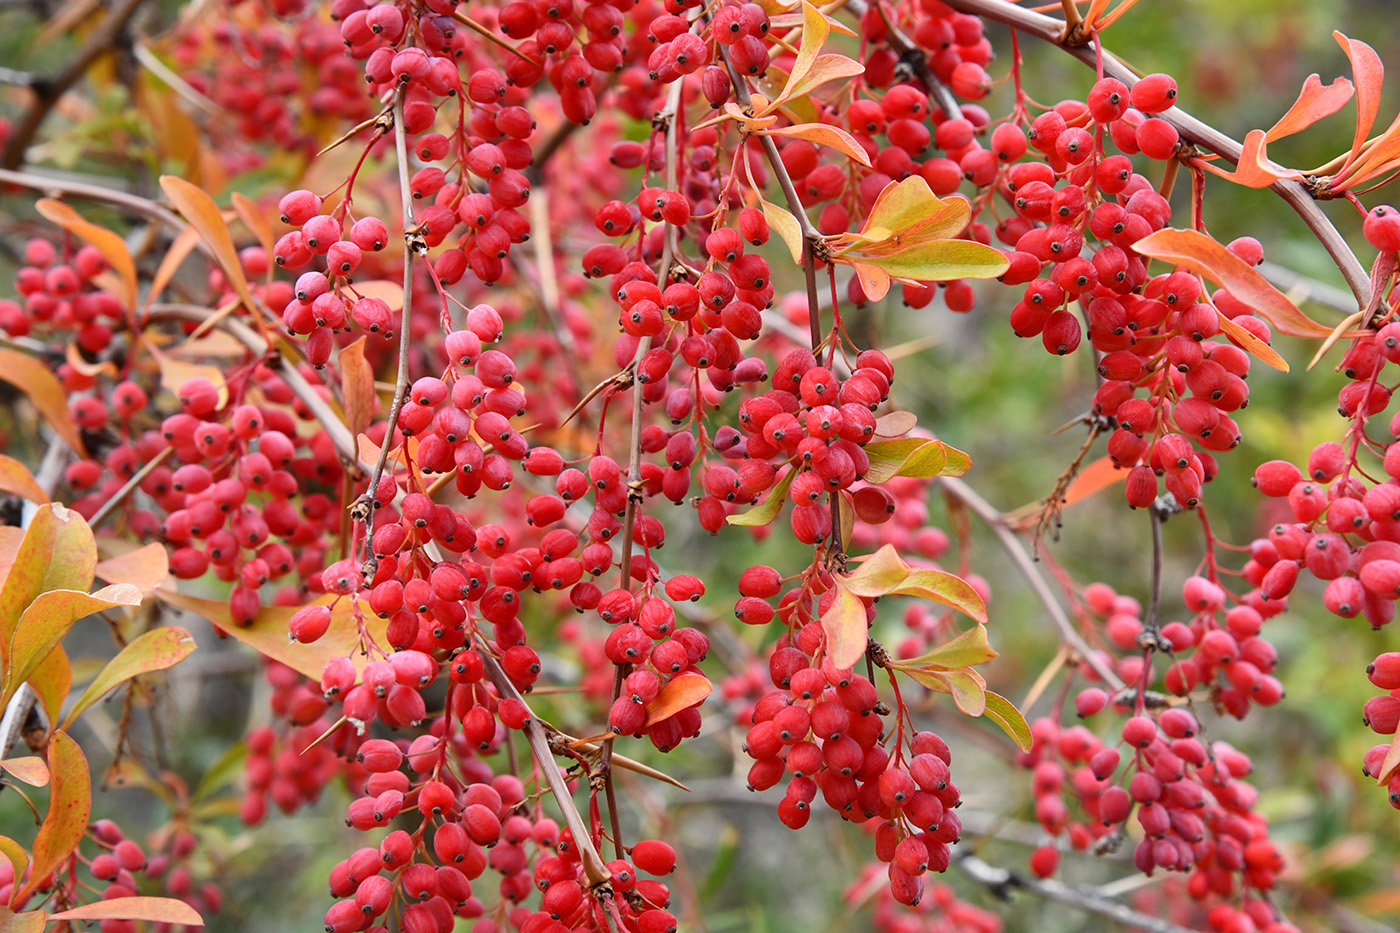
1002 882
111 504
1191 129
47 91
413 243
1026 565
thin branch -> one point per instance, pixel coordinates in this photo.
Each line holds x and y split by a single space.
1002 882
912 57
1026 565
1191 129
119 497
58 187
47 91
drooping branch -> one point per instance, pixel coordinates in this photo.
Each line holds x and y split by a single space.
1192 130
47 91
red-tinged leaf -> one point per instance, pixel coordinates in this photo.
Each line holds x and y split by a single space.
155 650
910 210
1390 763
1314 102
847 631
357 387
51 681
679 693
1254 170
1096 9
877 574
942 587
830 67
109 244
154 909
204 215
786 226
31 769
256 221
1195 252
895 424
57 552
768 509
38 382
967 689
145 567
70 804
1004 713
16 480
1251 344
268 632
1368 73
30 921
1094 478
47 619
968 649
938 260
1382 158
874 281
823 134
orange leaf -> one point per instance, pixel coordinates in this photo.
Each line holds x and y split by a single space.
268 632
112 247
30 921
357 387
846 628
874 281
203 214
144 568
1095 477
255 220
155 650
1254 170
1197 253
30 769
831 67
57 552
51 681
75 359
47 619
154 909
185 242
16 479
1314 103
175 372
42 387
1252 344
1391 762
391 293
823 135
1368 73
681 692
814 33
70 804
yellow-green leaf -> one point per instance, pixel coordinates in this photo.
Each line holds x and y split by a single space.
38 382
969 648
768 509
915 457
70 804
814 33
57 552
942 587
787 227
967 688
846 628
910 210
938 260
17 855
155 650
1004 713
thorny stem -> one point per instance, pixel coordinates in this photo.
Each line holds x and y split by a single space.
1191 129
412 243
671 117
1026 565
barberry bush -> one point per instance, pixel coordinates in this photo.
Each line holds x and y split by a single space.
367 356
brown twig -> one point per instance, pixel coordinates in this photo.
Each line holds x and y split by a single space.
47 91
111 504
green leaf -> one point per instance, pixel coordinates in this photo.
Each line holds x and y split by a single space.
967 688
48 619
768 509
940 261
70 804
222 772
969 648
916 457
1004 713
154 909
847 631
155 650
